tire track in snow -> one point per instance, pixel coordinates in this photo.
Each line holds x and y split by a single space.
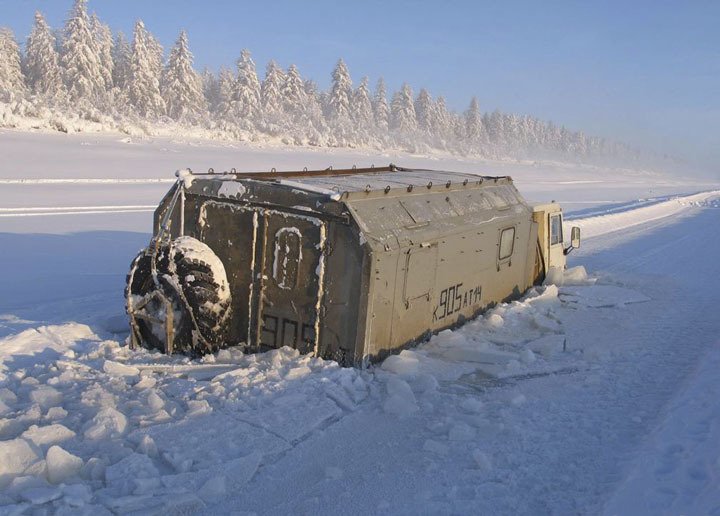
73 210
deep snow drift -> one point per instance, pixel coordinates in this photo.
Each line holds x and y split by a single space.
591 395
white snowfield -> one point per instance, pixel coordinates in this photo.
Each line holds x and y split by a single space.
597 394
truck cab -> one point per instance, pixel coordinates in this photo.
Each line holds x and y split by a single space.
551 247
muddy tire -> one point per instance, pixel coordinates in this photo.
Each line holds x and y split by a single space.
193 278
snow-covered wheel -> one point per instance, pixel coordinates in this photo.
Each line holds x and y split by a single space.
185 306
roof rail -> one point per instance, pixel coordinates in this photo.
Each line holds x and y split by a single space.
273 175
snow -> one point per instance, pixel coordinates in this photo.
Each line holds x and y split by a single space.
593 393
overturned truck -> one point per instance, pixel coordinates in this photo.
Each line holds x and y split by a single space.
349 265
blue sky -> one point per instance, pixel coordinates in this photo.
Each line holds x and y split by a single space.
644 72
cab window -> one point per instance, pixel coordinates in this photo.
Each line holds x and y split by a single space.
556 230
507 241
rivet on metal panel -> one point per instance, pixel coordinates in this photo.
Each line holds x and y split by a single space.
387 189
465 182
372 166
233 171
272 170
496 179
429 185
304 169
447 185
409 188
367 188
211 171
354 167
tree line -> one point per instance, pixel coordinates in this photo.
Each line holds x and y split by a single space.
85 71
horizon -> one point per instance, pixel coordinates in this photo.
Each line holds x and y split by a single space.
646 78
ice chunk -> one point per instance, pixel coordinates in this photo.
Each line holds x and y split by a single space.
154 401
213 488
297 372
461 432
147 446
41 495
62 465
198 408
4 409
117 369
8 397
76 495
48 435
482 460
16 455
494 321
527 356
471 405
401 399
240 471
406 363
46 397
131 473
56 413
108 423
548 345
518 400
577 276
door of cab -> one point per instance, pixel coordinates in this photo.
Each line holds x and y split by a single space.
556 254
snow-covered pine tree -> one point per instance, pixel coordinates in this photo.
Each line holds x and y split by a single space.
317 131
338 102
361 107
473 126
381 110
80 58
496 131
211 89
292 94
402 111
270 90
226 89
144 87
104 41
181 85
42 67
441 129
245 99
12 84
424 108
121 56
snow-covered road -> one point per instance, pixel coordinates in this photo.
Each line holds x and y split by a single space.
568 401
595 396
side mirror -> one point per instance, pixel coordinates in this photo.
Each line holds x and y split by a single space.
574 240
575 237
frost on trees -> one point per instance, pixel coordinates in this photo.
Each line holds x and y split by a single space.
121 55
424 111
104 41
292 93
144 87
473 125
81 58
338 102
42 65
270 96
443 120
211 89
381 110
402 111
226 84
182 88
245 98
361 112
12 84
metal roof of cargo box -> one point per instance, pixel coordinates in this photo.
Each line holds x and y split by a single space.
394 206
